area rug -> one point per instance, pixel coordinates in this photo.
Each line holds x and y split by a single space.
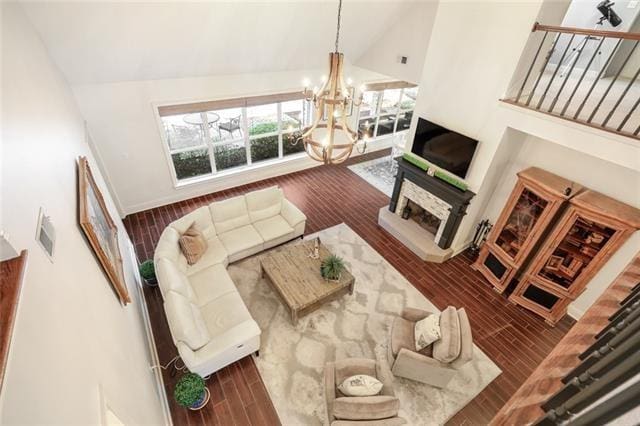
292 358
381 173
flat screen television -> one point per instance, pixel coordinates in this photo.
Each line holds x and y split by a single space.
444 148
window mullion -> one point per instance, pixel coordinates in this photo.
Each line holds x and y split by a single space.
206 133
245 131
280 150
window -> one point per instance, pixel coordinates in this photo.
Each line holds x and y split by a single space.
386 110
209 137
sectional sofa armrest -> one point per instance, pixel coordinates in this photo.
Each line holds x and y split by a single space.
416 366
414 314
205 360
291 213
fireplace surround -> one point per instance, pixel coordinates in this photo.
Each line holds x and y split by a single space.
442 200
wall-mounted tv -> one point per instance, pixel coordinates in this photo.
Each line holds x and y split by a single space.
444 148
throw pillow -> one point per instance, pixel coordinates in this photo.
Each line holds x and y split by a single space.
192 244
360 385
427 331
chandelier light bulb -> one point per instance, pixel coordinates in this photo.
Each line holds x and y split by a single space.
363 88
349 81
323 78
306 82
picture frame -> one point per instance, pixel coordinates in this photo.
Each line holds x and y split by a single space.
100 230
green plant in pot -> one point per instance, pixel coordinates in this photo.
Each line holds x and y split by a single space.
331 267
191 392
148 272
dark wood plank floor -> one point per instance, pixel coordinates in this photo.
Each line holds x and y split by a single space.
516 340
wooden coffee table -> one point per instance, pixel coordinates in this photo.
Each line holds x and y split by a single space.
296 278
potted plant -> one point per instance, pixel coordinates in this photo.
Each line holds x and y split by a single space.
331 267
148 272
191 392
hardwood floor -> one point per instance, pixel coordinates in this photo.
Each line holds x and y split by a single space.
515 339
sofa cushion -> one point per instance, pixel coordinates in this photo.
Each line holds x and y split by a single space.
216 253
169 248
229 214
241 242
447 348
427 331
466 340
224 313
185 321
274 230
200 218
192 244
360 385
366 407
211 283
171 278
264 203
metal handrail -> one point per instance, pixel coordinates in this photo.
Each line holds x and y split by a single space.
604 99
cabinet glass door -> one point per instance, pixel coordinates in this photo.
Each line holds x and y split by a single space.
577 249
521 222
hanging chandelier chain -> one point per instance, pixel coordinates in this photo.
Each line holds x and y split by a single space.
338 26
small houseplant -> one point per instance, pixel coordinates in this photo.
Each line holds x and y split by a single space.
331 267
191 392
148 272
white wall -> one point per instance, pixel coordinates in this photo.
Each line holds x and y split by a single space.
71 334
407 36
123 125
610 179
473 51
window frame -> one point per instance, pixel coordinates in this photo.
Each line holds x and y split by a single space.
209 144
376 113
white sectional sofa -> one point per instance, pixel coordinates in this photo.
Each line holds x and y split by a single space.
209 323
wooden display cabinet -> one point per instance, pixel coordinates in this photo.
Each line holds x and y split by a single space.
588 234
534 202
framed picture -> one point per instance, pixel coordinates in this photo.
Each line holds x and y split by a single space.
100 229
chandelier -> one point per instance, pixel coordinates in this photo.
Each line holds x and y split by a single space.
329 138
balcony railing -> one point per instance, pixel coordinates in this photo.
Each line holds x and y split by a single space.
586 76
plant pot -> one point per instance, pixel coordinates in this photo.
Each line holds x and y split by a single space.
202 401
151 282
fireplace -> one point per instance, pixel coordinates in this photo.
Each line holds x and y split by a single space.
428 221
436 206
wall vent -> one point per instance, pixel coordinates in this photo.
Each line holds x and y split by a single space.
46 234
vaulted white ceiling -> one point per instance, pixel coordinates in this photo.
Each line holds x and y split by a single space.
98 42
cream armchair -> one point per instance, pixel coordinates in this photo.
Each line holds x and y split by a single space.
438 363
378 410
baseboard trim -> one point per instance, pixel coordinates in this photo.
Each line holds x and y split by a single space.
153 350
242 178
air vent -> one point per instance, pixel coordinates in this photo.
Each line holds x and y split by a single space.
46 234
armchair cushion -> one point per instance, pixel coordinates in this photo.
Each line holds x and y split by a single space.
403 337
393 421
346 368
360 385
414 314
427 331
366 407
447 348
